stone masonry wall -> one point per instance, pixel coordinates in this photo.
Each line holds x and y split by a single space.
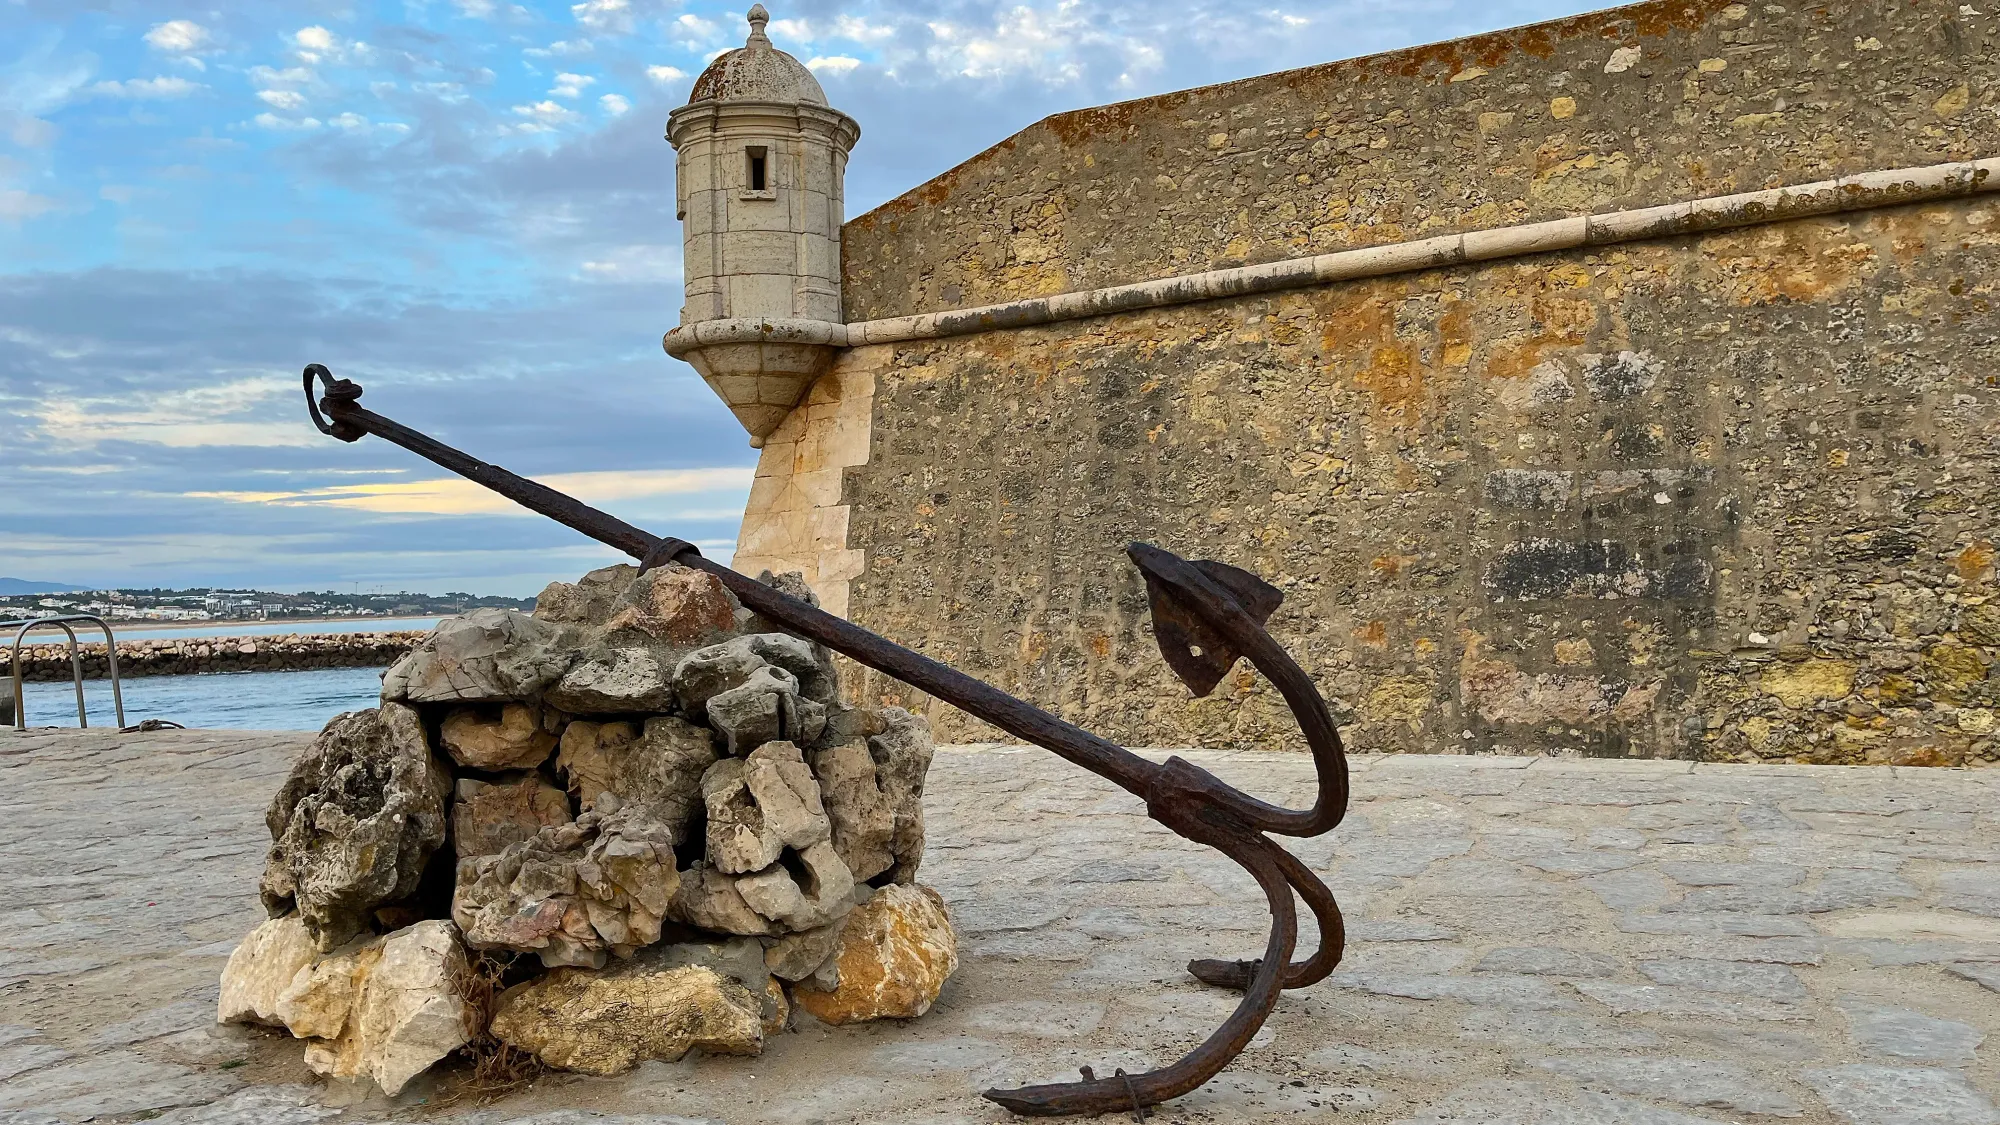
1718 497
1631 107
1725 496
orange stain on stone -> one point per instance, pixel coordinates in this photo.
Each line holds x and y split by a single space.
1360 337
896 951
1976 561
1801 262
1558 315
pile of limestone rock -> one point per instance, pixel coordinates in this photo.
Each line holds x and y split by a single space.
643 814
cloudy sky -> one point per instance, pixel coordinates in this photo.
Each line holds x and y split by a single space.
467 206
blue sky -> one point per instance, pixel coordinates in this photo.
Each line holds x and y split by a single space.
467 206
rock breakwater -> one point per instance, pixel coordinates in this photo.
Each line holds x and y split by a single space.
186 656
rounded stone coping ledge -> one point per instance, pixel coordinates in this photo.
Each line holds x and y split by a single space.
1863 192
753 330
712 114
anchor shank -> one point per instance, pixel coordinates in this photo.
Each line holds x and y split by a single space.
1016 717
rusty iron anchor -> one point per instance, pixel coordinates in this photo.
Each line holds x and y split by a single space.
1206 616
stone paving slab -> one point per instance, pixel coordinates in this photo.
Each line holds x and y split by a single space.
1534 941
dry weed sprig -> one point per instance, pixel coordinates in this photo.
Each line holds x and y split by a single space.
497 1068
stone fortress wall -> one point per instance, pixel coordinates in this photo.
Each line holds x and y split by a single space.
1720 494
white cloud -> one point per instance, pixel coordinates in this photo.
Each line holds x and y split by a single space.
665 74
273 121
800 30
832 64
178 37
271 76
282 99
29 132
1043 43
20 206
861 31
694 32
604 15
141 88
177 419
41 82
571 85
545 115
637 264
454 496
316 44
562 48
474 9
615 104
356 123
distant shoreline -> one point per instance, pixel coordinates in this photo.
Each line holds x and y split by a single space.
122 627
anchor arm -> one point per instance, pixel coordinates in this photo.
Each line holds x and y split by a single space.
1193 803
1187 592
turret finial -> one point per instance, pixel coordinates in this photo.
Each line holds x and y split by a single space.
758 18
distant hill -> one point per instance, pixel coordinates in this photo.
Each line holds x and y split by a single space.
12 586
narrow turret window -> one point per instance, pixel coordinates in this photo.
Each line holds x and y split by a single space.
758 177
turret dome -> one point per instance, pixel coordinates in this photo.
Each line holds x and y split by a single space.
757 72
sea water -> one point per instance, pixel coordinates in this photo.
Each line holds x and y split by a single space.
224 700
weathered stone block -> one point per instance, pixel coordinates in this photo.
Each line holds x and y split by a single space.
658 766
1808 682
489 816
587 601
863 816
675 606
814 895
896 952
355 822
605 1023
618 681
573 892
761 805
485 656
261 969
767 707
386 1010
513 737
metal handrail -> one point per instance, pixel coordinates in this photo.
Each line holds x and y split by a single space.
75 664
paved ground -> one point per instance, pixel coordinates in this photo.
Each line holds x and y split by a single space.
1545 941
